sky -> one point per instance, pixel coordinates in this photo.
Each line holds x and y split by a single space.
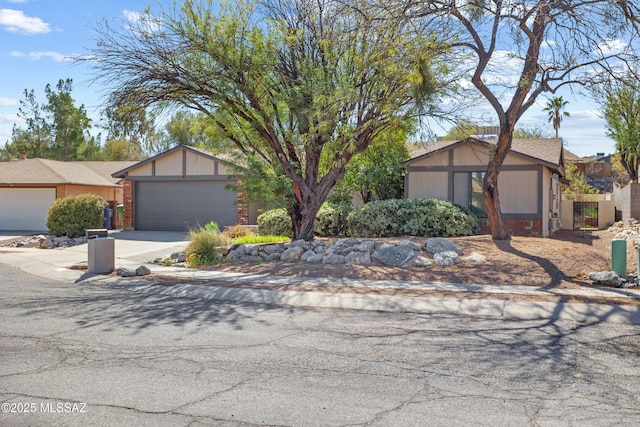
37 38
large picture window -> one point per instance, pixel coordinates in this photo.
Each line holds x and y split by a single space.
467 192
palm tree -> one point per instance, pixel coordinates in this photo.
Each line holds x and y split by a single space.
555 107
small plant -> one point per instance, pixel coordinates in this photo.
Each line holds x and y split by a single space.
211 226
203 247
74 215
233 232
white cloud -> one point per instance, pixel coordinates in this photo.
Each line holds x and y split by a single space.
612 46
16 1
15 21
35 56
8 102
141 22
9 118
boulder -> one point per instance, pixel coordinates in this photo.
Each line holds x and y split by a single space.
347 242
300 243
607 278
126 272
142 271
312 257
422 261
272 249
440 244
292 254
333 258
393 255
366 246
413 245
358 257
475 257
446 258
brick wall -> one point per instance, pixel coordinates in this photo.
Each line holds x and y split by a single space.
516 227
127 189
243 207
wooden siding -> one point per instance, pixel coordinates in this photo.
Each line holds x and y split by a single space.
169 165
144 170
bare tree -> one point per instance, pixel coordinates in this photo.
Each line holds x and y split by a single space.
302 84
519 49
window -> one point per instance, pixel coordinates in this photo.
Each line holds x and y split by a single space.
467 192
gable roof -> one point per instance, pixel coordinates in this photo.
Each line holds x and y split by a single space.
54 172
545 151
122 173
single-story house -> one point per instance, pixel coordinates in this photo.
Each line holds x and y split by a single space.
29 186
528 184
181 188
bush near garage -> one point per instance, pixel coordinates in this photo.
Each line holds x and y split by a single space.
275 222
411 217
331 221
74 215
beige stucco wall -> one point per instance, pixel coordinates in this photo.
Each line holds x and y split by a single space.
428 185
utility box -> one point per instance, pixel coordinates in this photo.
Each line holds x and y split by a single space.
101 252
619 257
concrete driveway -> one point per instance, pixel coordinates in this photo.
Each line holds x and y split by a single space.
132 248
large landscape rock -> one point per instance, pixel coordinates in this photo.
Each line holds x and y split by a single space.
440 244
394 256
607 278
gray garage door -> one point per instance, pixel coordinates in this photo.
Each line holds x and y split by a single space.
180 205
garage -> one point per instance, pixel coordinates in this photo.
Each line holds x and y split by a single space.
180 205
25 208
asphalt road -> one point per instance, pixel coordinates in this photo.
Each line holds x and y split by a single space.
74 354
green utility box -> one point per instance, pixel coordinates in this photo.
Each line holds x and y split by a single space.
619 257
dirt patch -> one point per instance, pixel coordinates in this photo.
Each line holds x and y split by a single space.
563 261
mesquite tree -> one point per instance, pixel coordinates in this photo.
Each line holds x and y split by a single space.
515 50
292 82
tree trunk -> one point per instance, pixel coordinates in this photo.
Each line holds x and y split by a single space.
303 215
498 227
499 230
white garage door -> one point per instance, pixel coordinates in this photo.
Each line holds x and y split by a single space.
25 208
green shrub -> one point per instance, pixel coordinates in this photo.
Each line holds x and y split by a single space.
73 215
203 247
413 217
275 222
331 220
211 226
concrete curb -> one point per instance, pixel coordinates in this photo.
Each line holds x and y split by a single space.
484 307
